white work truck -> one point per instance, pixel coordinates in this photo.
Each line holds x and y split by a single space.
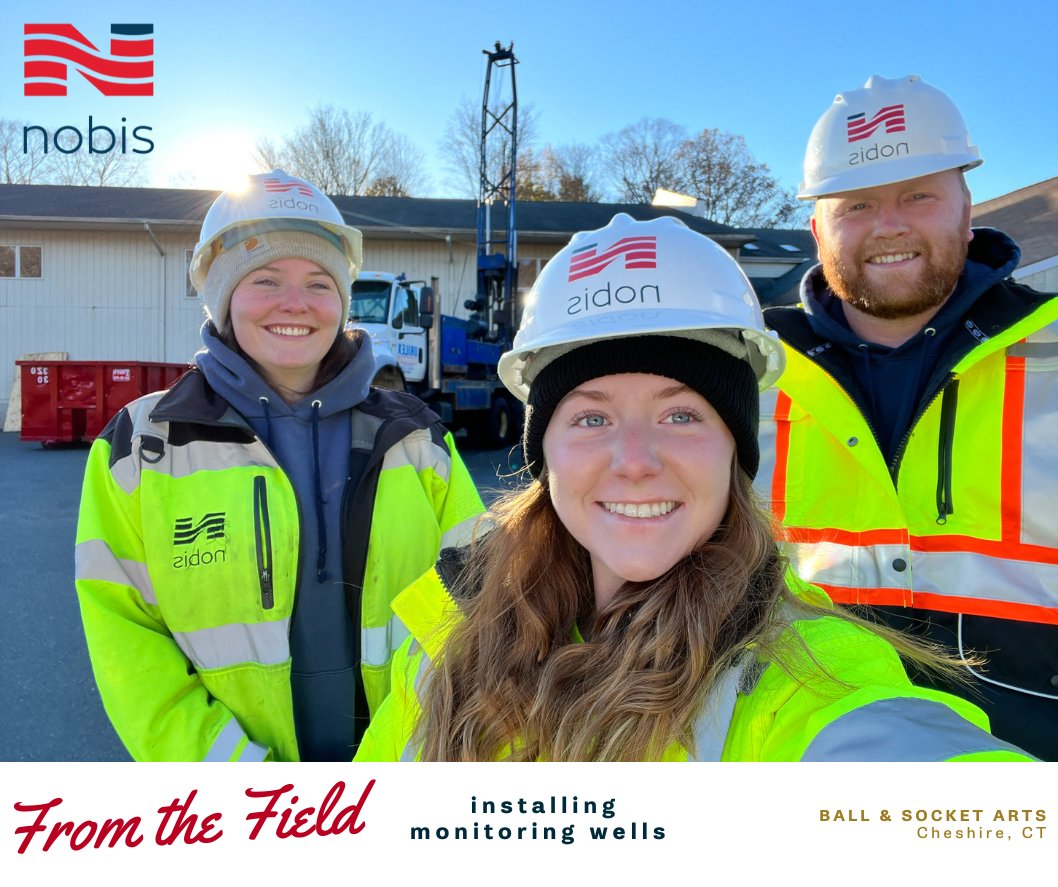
449 362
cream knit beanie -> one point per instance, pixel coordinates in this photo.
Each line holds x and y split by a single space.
257 250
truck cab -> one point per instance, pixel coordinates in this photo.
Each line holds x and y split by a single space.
449 362
387 307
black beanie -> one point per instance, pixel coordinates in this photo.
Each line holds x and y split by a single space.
728 383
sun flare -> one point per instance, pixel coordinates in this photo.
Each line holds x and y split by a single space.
218 161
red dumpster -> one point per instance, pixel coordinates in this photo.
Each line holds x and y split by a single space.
69 400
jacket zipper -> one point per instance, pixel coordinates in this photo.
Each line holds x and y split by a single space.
898 455
263 534
945 446
360 707
267 598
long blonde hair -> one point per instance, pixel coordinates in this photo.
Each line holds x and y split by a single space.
513 683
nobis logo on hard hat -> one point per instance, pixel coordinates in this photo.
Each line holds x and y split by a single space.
891 117
276 184
285 189
887 120
637 252
634 253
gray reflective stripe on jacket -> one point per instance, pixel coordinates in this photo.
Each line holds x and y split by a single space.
263 643
227 742
377 644
1039 516
766 441
419 450
901 729
714 721
95 561
461 534
1038 347
410 751
959 574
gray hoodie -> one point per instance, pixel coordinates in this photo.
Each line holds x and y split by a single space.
322 631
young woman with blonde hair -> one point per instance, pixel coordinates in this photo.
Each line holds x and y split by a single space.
242 534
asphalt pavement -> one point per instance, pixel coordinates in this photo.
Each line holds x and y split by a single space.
49 706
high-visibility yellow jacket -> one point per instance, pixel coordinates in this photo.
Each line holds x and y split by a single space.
958 537
965 520
852 703
187 564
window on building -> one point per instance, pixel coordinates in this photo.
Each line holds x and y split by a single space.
528 271
21 261
189 290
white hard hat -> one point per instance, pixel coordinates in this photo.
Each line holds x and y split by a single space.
889 131
272 201
656 277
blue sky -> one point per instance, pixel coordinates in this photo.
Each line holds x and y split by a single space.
226 74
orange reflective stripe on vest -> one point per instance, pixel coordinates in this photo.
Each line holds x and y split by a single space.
970 524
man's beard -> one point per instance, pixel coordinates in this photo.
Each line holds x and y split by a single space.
944 262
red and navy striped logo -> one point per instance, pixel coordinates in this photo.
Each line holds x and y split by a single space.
637 252
50 51
891 117
277 185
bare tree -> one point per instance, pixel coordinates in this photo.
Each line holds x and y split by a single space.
267 154
563 173
29 158
735 188
571 172
461 146
403 170
22 161
346 153
532 179
82 167
642 157
714 166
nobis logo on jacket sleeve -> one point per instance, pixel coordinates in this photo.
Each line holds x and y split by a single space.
187 531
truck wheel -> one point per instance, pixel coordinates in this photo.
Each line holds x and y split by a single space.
390 378
502 427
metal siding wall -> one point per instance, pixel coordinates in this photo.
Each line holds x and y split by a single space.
1044 281
421 260
456 266
183 316
100 297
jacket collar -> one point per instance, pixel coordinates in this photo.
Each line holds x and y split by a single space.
985 315
192 399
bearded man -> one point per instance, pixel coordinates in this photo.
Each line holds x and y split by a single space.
911 452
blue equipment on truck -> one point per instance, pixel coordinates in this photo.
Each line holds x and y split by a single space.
448 361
